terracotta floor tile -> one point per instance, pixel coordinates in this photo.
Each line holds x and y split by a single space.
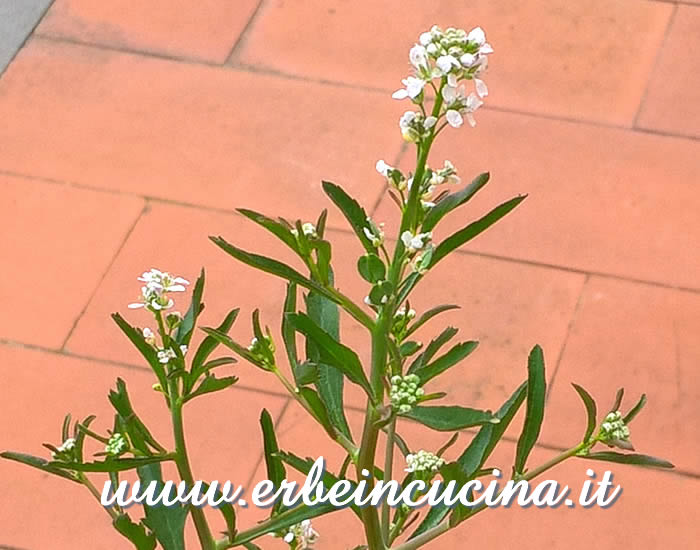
642 338
600 200
670 104
553 58
204 135
81 388
54 261
205 30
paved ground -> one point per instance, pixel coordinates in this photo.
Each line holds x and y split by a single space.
130 132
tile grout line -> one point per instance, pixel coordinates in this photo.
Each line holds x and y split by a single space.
246 68
146 207
240 42
655 65
488 255
569 329
26 38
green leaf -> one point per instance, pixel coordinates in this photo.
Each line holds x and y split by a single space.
227 341
446 361
209 344
465 235
429 315
139 434
591 411
227 511
371 268
409 348
307 373
450 418
274 267
323 259
631 458
183 335
113 465
332 352
210 384
135 532
618 400
319 408
288 333
452 201
166 522
432 348
280 230
148 352
635 410
534 412
406 286
330 382
38 463
275 469
351 209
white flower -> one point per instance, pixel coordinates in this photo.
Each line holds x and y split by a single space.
383 168
153 298
473 103
418 56
446 63
165 355
414 87
454 119
485 49
423 461
374 233
307 228
452 80
149 336
183 349
452 94
67 445
425 38
164 281
468 60
303 534
415 242
481 89
429 122
477 35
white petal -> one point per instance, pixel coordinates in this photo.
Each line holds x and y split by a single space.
477 35
382 167
426 38
454 118
486 49
406 237
467 59
136 306
471 120
400 94
289 537
481 88
414 86
449 94
452 80
429 122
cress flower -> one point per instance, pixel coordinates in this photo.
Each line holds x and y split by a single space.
308 229
413 88
64 450
447 174
374 233
149 336
415 242
301 536
116 445
154 293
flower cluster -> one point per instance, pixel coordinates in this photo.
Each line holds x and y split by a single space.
405 392
64 450
263 351
154 294
308 229
116 445
423 461
415 242
301 536
402 318
452 55
614 428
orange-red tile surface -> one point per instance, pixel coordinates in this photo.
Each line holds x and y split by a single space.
570 59
599 199
599 265
645 339
57 243
204 30
190 133
670 104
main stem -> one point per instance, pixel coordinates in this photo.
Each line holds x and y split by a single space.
206 540
368 447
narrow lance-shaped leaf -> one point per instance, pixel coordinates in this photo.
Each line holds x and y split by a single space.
148 352
167 522
138 432
450 418
452 201
113 465
275 468
38 463
332 352
351 209
209 344
428 315
210 384
635 410
591 411
281 231
135 532
319 409
631 458
432 348
288 332
446 361
465 235
183 335
536 392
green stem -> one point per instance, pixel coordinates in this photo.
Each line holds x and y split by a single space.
388 467
93 490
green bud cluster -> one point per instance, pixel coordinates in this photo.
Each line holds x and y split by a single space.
405 392
263 351
614 428
116 445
